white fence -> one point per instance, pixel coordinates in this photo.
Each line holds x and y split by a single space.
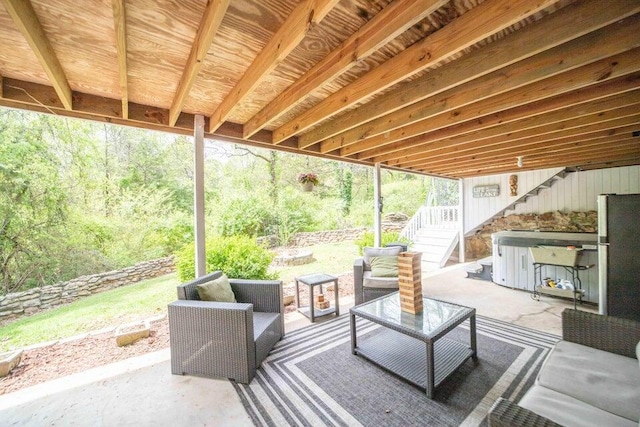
444 217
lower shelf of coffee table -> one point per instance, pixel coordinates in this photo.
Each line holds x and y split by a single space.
406 356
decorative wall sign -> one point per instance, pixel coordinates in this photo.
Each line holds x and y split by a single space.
491 190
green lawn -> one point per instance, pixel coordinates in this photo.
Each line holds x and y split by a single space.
143 300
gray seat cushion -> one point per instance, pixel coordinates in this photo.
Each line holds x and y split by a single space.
266 332
369 281
568 411
604 380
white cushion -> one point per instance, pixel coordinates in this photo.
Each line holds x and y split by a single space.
605 380
369 252
369 281
568 411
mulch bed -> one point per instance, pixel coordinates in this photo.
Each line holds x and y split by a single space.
64 358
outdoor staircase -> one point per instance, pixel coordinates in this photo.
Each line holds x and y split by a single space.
433 231
548 183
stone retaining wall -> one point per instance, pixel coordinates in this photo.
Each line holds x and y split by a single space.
28 302
317 237
480 246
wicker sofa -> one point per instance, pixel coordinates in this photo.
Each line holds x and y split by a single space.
590 378
365 286
227 340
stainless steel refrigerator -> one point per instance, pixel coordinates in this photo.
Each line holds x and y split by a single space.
619 255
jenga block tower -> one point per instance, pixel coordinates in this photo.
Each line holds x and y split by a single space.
321 303
410 282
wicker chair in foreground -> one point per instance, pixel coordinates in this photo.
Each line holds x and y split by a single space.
225 340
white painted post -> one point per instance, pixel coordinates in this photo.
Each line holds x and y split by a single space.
198 194
461 246
377 216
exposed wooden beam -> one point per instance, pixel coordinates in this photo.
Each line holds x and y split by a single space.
382 28
581 115
603 70
212 18
42 99
1 86
601 155
307 14
120 25
477 24
489 149
601 44
584 145
564 25
23 15
575 99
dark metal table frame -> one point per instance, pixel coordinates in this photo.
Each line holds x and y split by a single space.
313 280
419 352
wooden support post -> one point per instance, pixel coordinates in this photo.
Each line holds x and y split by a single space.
461 242
198 196
377 215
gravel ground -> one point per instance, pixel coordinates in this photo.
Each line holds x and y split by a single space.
69 357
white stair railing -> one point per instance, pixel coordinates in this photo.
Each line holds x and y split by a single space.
431 217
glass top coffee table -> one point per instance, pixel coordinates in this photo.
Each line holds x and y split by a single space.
414 346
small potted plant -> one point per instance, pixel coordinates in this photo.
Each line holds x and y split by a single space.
308 181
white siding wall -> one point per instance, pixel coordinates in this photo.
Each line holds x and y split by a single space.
477 210
578 191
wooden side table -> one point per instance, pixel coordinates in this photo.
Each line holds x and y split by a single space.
313 280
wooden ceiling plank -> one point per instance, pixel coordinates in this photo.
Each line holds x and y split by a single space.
390 22
586 147
475 25
624 154
566 24
212 18
603 70
307 14
493 150
120 26
23 15
617 87
575 53
544 124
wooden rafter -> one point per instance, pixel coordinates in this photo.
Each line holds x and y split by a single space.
599 71
575 99
525 140
384 27
120 25
578 115
23 15
615 150
575 53
307 14
213 14
566 24
475 25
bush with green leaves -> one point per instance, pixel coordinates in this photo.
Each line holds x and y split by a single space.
387 237
245 216
239 257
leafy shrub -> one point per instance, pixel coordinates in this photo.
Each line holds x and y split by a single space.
250 217
387 237
237 256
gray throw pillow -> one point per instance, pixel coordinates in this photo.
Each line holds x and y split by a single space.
216 290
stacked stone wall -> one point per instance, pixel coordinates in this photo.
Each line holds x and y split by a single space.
33 300
480 246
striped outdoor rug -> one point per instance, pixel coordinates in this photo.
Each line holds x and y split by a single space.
312 379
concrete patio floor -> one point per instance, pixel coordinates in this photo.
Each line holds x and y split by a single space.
141 391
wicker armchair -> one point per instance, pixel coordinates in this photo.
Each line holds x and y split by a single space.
606 333
227 340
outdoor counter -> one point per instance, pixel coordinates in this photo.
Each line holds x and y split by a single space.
513 263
